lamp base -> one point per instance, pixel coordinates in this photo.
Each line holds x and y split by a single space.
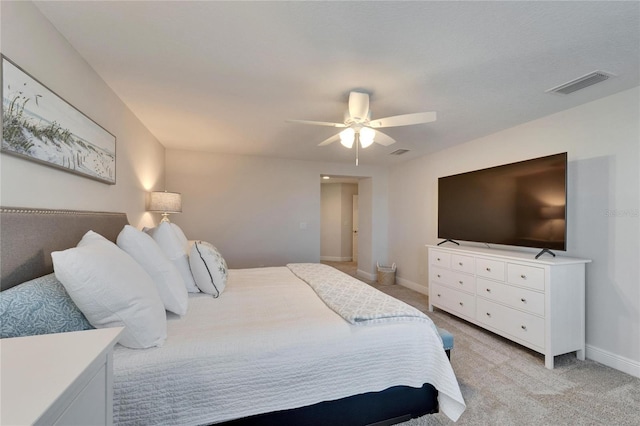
165 217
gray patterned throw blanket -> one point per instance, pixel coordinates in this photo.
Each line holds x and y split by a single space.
352 299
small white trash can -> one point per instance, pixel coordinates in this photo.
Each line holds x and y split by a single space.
386 274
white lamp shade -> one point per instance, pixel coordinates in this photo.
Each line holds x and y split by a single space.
165 202
367 135
347 136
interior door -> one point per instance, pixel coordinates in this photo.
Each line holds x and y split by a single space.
354 233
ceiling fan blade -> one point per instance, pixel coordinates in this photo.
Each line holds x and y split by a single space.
317 123
329 140
358 106
404 120
383 139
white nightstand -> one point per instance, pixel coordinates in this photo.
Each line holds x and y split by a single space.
58 379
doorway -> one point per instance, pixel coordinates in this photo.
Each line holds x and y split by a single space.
339 213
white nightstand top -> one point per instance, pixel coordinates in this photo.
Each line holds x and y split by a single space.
37 370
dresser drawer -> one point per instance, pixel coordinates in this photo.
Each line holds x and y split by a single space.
457 280
524 326
452 300
526 276
488 268
440 258
440 275
519 298
463 263
464 282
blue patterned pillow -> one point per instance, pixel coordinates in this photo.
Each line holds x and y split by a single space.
40 306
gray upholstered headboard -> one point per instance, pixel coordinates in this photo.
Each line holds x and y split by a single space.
28 236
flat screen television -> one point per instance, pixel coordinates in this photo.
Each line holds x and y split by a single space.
518 204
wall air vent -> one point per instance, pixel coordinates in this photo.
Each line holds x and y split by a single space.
581 82
399 152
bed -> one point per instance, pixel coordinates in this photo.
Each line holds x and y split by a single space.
268 351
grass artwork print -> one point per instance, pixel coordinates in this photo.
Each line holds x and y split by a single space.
40 126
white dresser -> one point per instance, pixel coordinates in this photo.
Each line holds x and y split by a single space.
538 303
58 379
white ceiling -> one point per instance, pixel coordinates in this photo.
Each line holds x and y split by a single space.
224 76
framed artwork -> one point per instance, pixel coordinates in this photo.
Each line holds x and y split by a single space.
40 126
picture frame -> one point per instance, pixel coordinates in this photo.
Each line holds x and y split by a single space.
40 126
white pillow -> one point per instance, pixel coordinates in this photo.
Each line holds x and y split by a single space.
112 290
170 244
181 237
92 237
209 268
165 275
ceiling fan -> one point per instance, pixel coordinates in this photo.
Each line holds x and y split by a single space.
358 123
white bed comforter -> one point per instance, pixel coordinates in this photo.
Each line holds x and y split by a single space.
269 343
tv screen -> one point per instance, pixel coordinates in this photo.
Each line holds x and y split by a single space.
517 204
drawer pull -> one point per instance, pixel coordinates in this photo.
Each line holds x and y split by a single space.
488 290
524 327
460 282
523 276
488 269
461 304
460 263
523 300
439 276
438 294
488 314
438 259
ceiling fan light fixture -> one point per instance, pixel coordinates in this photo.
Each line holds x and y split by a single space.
366 136
357 122
347 136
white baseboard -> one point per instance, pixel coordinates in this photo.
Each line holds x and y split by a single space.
335 259
364 274
612 360
413 286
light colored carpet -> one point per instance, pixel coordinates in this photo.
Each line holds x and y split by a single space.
506 384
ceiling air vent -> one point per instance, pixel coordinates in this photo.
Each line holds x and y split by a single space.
580 83
399 152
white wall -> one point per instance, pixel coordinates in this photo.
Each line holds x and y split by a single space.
372 197
28 39
602 139
266 211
